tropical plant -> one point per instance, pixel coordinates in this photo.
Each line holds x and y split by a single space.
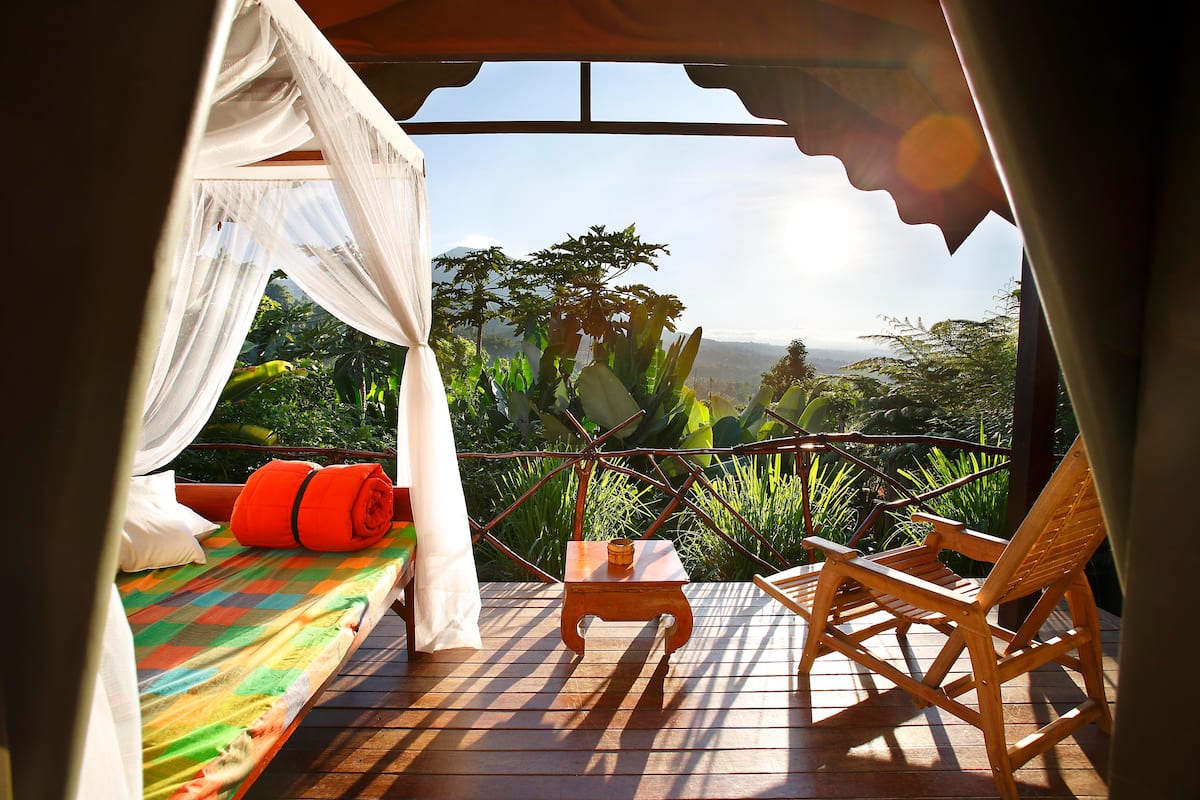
718 424
575 280
475 295
539 528
282 328
630 370
245 380
769 494
944 379
981 504
366 373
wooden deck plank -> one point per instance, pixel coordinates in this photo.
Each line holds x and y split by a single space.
867 784
726 716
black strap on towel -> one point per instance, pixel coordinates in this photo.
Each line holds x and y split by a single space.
296 506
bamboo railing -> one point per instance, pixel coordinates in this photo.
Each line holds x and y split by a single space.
679 492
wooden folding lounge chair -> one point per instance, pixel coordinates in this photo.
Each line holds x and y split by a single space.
1047 554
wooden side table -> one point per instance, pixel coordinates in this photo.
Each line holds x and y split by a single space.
650 586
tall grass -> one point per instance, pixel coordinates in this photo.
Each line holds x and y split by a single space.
981 504
539 528
769 495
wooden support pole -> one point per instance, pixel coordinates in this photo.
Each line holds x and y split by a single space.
1033 422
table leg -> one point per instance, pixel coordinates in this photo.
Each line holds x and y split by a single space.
681 630
572 615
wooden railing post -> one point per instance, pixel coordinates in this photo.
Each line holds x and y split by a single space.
583 471
805 461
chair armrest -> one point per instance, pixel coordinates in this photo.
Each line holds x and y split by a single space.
953 535
832 550
916 591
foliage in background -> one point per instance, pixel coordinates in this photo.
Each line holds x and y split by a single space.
476 294
540 527
982 504
302 409
947 379
303 379
770 497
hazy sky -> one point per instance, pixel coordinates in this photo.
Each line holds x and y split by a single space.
766 243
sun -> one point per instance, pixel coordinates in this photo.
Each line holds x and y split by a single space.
820 235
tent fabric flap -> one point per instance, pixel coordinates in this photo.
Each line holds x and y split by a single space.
888 131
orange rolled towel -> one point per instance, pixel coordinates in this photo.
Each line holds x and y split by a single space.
298 503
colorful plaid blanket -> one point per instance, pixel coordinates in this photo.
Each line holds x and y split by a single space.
228 652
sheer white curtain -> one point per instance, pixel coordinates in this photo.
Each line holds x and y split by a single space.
217 278
383 286
215 286
256 110
316 244
112 751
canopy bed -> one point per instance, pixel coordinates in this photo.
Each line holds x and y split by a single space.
346 219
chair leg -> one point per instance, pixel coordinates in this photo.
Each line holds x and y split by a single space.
991 707
827 586
945 660
1082 604
1032 626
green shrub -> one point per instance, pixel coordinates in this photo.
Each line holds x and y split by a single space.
981 504
303 410
770 497
539 528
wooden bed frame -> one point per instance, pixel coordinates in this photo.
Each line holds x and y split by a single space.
214 501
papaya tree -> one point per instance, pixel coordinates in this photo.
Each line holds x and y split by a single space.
476 294
575 280
566 296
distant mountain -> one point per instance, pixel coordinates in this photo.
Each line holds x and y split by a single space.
734 369
731 369
440 274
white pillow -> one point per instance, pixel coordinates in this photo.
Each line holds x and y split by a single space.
159 531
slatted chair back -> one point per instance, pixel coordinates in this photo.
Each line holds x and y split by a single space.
1058 536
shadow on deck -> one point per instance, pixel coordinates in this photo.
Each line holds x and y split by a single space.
725 717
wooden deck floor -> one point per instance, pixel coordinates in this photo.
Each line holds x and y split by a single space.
725 717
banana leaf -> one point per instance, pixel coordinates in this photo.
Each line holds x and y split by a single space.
244 381
605 399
